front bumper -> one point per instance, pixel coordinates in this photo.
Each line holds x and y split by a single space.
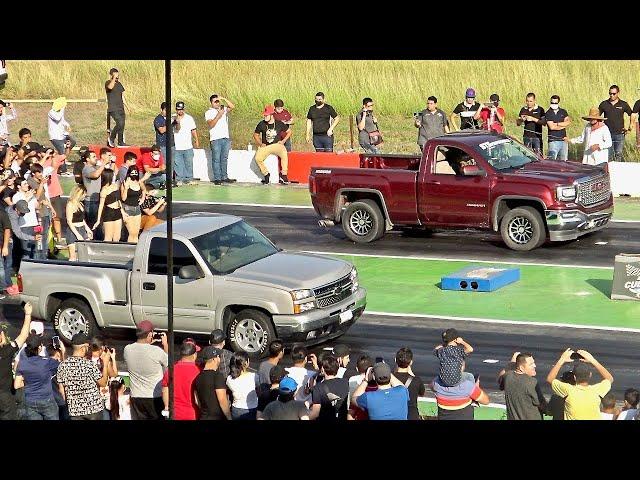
571 224
321 324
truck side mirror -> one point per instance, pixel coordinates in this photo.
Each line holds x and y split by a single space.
190 272
472 171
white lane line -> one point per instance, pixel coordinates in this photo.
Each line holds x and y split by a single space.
534 264
492 405
624 221
505 322
490 360
242 204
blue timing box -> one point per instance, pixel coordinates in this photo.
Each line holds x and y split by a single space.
480 278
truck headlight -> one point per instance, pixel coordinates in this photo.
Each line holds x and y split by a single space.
566 194
301 294
303 307
354 279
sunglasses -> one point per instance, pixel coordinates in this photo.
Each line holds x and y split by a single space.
555 103
613 93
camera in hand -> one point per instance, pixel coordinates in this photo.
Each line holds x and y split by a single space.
576 356
157 336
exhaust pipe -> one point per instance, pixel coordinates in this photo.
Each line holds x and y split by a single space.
326 223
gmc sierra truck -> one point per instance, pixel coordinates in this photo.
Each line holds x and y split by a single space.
467 179
226 275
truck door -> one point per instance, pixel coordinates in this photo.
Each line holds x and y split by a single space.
446 196
193 299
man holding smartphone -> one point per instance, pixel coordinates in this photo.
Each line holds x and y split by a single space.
91 174
116 105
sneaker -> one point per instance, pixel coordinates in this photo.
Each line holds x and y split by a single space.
284 180
179 184
13 290
265 180
66 174
2 297
162 186
229 180
217 182
110 143
123 145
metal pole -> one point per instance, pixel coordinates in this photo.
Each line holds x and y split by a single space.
351 130
169 170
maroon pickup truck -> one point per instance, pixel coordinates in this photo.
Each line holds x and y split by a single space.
467 179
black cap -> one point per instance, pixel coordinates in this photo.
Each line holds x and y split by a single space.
217 337
210 352
381 372
179 105
494 97
449 335
341 350
22 206
187 349
80 339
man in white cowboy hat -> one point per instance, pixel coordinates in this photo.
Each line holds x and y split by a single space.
596 138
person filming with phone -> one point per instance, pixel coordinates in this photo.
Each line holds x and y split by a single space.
146 363
582 400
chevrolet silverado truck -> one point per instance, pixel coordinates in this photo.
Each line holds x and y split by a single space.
467 179
226 275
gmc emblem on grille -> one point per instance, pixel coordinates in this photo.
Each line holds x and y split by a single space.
596 187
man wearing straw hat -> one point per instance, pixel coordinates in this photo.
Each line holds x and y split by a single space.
59 128
596 138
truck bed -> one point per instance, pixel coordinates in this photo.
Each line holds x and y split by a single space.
113 253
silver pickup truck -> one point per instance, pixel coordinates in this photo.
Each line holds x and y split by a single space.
227 275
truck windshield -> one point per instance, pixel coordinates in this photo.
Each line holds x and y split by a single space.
233 246
506 154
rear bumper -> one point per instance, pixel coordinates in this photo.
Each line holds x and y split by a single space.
571 224
321 324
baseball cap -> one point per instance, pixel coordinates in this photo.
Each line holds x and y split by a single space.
80 339
187 349
145 326
179 105
268 110
287 385
217 336
341 350
494 97
381 372
22 206
191 340
449 334
471 93
210 352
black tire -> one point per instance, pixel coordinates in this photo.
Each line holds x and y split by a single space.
73 316
362 221
523 229
251 331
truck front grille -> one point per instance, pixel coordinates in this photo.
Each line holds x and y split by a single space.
594 191
334 292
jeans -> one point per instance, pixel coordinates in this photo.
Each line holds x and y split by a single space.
533 143
558 150
156 179
183 164
60 146
6 268
243 413
368 148
323 142
42 249
119 117
42 410
28 246
8 406
94 416
219 155
287 144
91 214
615 153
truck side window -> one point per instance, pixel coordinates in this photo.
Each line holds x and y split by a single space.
158 256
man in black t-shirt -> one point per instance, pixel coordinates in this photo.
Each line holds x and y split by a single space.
557 122
469 111
329 397
115 107
532 116
269 395
6 246
634 122
270 136
285 407
210 387
321 121
8 350
614 109
415 385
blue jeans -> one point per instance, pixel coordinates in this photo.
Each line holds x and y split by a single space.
323 143
183 164
42 249
28 246
156 179
91 214
615 153
558 150
42 409
243 413
6 269
59 145
219 155
533 143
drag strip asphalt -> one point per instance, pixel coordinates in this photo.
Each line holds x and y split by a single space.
297 229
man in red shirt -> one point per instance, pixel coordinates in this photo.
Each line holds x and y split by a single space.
153 163
185 372
493 116
283 115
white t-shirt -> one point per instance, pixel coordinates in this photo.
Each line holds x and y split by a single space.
30 219
628 414
606 416
302 376
221 129
341 371
57 125
243 389
183 137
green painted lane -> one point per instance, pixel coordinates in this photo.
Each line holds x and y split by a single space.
429 408
577 296
626 208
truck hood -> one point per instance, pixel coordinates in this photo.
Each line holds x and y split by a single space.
562 173
292 271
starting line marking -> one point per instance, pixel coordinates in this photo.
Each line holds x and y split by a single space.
505 322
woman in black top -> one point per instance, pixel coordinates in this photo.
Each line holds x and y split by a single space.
110 209
132 193
76 220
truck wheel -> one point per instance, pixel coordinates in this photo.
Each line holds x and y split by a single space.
74 316
522 229
251 331
362 221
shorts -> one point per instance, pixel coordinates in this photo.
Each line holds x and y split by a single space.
132 211
59 206
71 238
111 214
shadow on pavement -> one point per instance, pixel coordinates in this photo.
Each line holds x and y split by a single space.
601 284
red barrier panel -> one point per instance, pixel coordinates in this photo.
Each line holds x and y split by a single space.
300 163
119 152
